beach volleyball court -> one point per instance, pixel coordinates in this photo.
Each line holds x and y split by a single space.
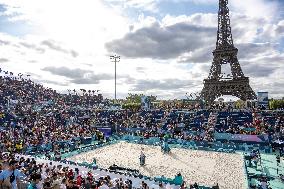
204 167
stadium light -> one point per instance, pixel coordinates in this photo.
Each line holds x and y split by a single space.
115 59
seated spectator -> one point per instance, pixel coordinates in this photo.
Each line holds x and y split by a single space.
178 180
35 179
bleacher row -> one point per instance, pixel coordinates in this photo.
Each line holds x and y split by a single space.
237 119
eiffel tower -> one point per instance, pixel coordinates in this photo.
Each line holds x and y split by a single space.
235 84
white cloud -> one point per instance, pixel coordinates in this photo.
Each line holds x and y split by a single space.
256 8
198 19
72 34
273 31
65 33
195 1
82 24
145 5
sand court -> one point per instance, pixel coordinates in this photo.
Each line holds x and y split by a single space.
204 167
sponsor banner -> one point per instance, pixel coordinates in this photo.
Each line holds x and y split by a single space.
262 98
106 130
145 103
243 138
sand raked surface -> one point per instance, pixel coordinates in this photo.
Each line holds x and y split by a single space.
205 168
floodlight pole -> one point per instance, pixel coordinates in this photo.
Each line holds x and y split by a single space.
115 59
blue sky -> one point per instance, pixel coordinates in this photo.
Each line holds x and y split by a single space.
165 45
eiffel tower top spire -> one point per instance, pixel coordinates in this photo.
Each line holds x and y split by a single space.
224 34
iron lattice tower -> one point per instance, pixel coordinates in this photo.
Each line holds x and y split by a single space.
235 84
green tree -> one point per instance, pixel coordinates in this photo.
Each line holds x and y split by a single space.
276 104
136 98
240 104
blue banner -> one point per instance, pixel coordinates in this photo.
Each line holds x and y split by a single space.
262 98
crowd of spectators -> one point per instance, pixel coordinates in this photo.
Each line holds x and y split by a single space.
24 172
252 123
33 115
